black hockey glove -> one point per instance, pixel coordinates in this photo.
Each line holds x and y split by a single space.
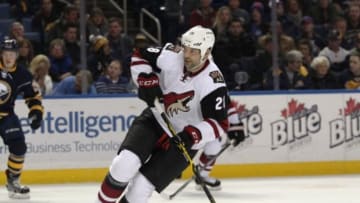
35 117
189 136
236 133
149 88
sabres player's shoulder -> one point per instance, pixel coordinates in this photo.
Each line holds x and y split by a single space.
22 73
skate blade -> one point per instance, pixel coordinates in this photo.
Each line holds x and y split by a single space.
216 188
14 195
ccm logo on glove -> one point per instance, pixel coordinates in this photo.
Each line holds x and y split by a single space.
148 80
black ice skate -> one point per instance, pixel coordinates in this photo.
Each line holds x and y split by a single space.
16 191
211 183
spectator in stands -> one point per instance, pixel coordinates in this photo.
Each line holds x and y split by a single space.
112 81
121 45
340 24
17 31
76 3
43 20
99 56
187 7
323 13
353 19
263 62
350 79
305 47
204 15
75 84
26 52
56 29
173 22
230 47
39 67
340 5
258 26
286 42
292 75
307 32
292 18
222 19
141 41
335 53
238 12
71 43
97 23
321 76
61 63
293 12
22 8
357 42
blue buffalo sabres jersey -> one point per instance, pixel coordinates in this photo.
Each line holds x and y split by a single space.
17 81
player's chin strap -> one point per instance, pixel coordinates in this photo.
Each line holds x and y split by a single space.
181 146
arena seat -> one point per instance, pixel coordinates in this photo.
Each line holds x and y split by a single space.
4 10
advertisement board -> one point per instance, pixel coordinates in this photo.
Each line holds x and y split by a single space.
304 133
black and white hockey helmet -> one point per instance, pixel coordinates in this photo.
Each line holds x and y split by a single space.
9 44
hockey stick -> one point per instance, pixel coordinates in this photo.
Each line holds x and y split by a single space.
184 151
183 186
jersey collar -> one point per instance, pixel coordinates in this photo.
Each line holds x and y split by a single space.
8 70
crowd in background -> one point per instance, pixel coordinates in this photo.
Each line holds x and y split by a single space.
318 42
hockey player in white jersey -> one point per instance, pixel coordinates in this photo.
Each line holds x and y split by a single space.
195 100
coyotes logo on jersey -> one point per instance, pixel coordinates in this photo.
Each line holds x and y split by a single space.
177 102
217 77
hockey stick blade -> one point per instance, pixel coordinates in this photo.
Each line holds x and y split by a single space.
183 186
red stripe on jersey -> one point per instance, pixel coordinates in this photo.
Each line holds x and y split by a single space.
110 191
205 160
225 124
137 53
213 125
135 63
163 137
102 200
163 142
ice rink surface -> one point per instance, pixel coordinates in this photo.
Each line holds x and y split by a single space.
311 189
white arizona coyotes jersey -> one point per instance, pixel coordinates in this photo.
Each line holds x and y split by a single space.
197 99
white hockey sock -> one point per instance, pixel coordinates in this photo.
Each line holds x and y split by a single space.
122 170
140 189
125 166
205 165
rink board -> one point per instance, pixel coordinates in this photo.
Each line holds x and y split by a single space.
286 134
221 171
